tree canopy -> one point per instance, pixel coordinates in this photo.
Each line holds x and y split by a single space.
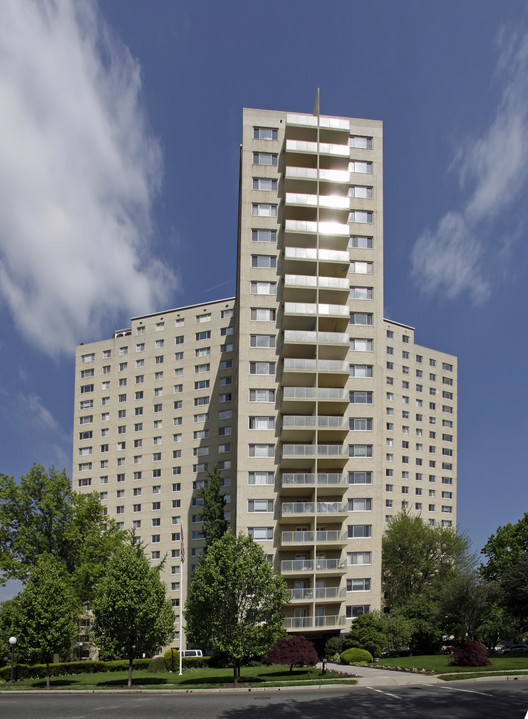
214 524
41 515
505 548
235 604
131 612
292 650
44 612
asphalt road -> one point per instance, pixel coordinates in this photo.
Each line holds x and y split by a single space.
460 700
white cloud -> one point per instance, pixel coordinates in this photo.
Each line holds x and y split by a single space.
78 174
493 171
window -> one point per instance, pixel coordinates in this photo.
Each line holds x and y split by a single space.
204 335
262 423
359 558
362 268
361 345
360 424
260 314
201 384
224 431
203 417
226 331
359 531
361 293
259 478
263 341
87 373
358 585
86 404
201 434
120 509
362 191
264 261
265 158
359 505
179 339
262 395
360 242
225 397
261 450
361 318
260 505
86 388
360 216
260 533
265 184
263 288
360 450
263 209
265 133
361 370
361 142
204 318
262 368
361 397
158 407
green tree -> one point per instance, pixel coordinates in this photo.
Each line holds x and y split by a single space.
40 514
214 523
505 548
367 633
514 586
464 604
235 604
8 627
131 612
418 558
398 630
44 612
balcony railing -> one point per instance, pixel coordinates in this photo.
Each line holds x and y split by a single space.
324 148
321 393
332 201
308 565
321 536
309 593
331 123
311 507
312 253
311 450
311 365
313 337
325 228
295 421
311 308
317 622
309 480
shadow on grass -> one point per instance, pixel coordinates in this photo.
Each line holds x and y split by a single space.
246 679
54 683
139 681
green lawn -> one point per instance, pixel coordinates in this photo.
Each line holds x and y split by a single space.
439 663
190 679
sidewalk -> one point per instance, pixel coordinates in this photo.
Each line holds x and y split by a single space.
370 676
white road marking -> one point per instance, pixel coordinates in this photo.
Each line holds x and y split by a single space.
386 693
468 691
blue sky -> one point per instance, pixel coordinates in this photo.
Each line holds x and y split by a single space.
119 163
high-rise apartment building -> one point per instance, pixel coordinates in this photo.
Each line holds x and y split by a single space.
324 418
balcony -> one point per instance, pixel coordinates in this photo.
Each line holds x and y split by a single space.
292 364
310 282
333 399
311 226
333 480
319 593
333 202
296 566
311 174
323 148
296 421
297 451
332 123
312 337
313 309
327 538
336 509
327 622
313 254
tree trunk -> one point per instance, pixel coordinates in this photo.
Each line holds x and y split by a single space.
291 668
235 672
130 673
47 674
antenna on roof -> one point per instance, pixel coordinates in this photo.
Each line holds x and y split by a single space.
316 108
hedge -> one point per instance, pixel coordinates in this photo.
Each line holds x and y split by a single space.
355 656
38 671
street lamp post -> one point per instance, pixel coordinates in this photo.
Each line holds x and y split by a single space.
12 641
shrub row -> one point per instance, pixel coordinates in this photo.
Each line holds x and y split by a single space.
38 671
